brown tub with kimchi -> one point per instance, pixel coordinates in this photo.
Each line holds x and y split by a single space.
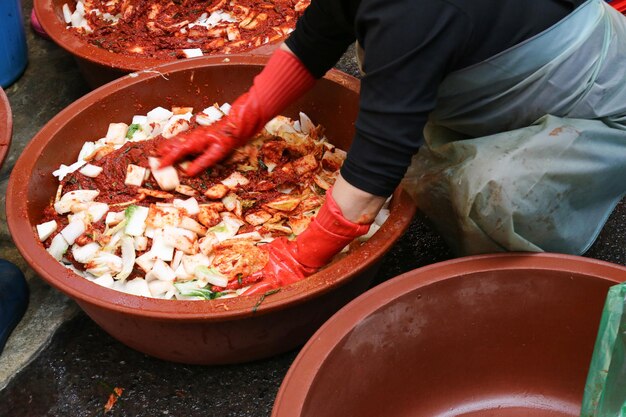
190 331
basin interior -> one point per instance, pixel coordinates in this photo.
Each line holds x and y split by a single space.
507 343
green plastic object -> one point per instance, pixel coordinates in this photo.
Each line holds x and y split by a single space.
605 390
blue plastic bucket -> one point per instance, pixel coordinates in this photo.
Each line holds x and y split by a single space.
13 50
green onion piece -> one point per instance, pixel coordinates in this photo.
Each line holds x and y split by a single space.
131 130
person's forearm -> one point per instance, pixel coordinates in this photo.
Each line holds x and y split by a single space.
356 205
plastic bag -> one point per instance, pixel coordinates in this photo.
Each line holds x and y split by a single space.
605 390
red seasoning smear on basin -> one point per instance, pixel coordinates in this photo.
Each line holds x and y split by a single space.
170 29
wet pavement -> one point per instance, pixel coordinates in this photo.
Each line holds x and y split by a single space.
59 363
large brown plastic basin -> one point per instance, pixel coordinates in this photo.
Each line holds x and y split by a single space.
97 65
499 335
6 126
204 332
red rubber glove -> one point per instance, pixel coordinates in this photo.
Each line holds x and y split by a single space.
292 260
282 81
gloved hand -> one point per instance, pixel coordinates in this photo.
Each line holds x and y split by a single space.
292 260
283 80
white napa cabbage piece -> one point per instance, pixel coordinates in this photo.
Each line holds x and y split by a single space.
146 261
85 253
161 247
226 229
105 280
64 170
191 262
235 179
96 211
161 271
104 263
114 217
181 239
45 230
210 275
135 220
128 258
160 289
58 247
72 231
190 205
141 243
65 203
137 286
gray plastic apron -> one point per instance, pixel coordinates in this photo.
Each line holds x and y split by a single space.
527 151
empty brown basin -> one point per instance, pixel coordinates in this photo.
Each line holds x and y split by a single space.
6 126
97 65
506 335
205 332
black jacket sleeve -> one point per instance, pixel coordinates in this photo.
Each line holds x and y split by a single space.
405 61
323 34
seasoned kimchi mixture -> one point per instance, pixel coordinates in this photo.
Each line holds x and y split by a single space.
171 29
122 222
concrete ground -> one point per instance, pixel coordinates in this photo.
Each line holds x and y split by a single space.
59 363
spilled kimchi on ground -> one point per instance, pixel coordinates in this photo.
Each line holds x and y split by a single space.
122 222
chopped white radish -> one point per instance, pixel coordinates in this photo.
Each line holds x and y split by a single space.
181 239
161 247
114 218
45 230
211 275
166 177
58 247
146 261
72 231
190 205
105 280
135 175
137 286
141 243
192 52
104 263
161 271
234 180
135 220
64 205
116 133
85 253
91 171
158 114
128 258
